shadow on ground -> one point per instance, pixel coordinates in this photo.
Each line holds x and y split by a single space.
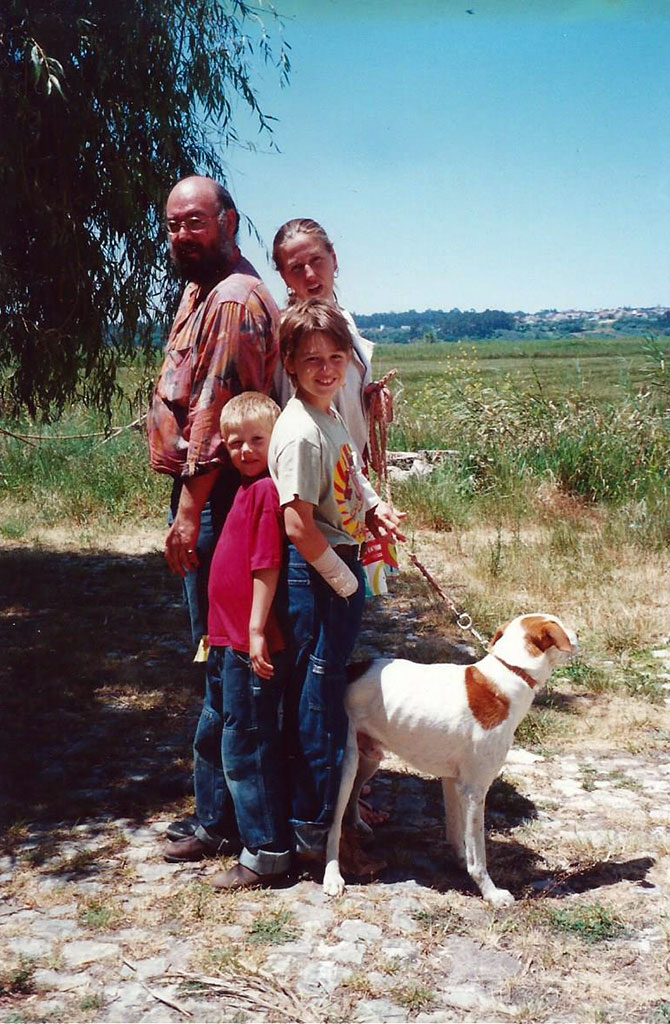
414 846
97 695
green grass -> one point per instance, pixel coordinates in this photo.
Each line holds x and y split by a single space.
589 418
415 998
18 980
273 929
514 424
603 365
99 915
592 924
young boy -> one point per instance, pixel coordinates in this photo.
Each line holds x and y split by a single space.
240 782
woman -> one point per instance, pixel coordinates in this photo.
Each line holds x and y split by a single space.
305 257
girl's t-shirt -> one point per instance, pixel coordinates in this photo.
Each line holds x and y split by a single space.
312 457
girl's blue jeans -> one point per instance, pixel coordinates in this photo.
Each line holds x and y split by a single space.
323 629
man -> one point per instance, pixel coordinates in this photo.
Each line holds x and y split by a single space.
223 341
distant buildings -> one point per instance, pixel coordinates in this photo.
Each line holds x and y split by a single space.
598 317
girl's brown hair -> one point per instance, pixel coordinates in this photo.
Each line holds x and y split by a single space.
313 316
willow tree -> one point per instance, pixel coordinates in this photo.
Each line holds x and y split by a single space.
104 105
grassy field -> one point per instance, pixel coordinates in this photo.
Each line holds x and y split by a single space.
604 366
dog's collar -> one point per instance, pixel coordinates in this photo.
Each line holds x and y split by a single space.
527 678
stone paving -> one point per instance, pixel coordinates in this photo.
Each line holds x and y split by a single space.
368 956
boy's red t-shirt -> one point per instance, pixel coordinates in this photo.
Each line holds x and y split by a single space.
252 538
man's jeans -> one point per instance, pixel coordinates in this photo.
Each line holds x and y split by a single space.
239 729
212 518
323 628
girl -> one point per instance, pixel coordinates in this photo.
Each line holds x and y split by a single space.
327 503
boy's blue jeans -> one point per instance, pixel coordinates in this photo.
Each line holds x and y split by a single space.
239 771
323 629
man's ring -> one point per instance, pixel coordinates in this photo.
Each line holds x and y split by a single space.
189 551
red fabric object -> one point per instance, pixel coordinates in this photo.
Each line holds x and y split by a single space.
252 539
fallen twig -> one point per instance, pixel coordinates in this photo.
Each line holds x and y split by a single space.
253 989
173 1004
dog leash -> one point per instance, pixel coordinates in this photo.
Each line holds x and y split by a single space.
381 415
463 620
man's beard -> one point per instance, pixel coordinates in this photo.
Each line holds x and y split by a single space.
204 265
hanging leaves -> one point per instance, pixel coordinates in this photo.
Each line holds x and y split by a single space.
106 106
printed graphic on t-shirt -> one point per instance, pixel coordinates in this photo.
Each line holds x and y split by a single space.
349 496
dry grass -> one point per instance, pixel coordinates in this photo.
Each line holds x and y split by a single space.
617 597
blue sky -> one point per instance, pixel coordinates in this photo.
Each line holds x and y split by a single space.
514 158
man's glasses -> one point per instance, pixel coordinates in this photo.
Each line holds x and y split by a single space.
192 224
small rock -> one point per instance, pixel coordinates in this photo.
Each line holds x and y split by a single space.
376 1010
316 977
87 951
518 755
404 923
26 945
343 952
355 930
47 980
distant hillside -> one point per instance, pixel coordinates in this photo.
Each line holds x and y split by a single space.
438 325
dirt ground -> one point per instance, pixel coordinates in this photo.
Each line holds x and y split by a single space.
99 704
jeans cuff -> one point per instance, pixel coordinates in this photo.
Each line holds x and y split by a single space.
311 838
224 845
265 862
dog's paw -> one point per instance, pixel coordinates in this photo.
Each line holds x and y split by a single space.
499 897
333 883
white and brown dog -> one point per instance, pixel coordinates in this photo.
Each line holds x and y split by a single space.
453 721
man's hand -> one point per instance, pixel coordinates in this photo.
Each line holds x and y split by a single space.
180 545
182 538
260 656
383 521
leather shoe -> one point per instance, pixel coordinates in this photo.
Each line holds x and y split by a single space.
241 877
182 829
186 849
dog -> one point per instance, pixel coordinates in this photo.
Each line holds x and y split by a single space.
456 722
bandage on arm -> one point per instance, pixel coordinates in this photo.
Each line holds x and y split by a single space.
336 572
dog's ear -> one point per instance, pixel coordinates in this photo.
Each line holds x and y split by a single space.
544 633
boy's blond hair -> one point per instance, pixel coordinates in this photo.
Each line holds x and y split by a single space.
250 405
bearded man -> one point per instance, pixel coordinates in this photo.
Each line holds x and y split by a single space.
223 341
